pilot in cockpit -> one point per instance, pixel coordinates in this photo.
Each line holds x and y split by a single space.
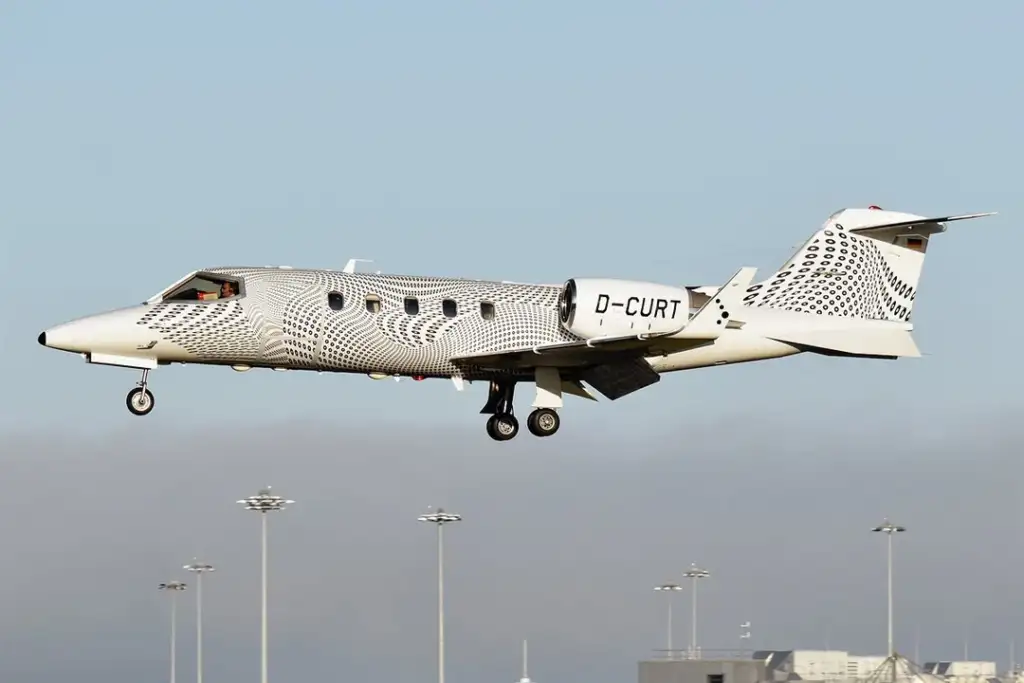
226 289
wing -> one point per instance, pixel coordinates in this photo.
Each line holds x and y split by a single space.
577 353
616 366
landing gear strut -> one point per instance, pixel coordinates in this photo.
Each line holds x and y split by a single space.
502 425
140 400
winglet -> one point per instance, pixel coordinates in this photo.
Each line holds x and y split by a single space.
716 312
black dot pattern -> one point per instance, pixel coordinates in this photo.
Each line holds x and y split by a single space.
842 274
285 320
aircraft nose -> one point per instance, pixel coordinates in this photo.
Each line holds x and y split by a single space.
111 333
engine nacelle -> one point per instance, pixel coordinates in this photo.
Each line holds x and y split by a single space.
592 308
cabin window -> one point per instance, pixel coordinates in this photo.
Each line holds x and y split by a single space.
449 308
205 287
412 305
487 310
336 301
373 303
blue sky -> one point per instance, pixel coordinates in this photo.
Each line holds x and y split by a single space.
527 141
530 141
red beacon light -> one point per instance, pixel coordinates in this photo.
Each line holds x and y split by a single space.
875 208
418 378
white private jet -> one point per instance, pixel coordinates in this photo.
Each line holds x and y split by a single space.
847 291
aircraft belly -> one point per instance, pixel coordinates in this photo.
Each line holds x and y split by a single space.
734 346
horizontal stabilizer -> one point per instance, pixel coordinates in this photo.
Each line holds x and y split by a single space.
889 342
919 221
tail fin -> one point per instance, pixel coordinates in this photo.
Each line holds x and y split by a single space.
862 263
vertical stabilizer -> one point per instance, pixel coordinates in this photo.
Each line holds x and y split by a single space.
862 263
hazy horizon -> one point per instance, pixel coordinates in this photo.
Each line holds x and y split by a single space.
562 542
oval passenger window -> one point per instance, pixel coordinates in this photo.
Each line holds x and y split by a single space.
335 300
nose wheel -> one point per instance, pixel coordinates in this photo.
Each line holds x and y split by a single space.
140 400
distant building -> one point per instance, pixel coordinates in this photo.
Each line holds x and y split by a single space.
702 671
964 672
813 666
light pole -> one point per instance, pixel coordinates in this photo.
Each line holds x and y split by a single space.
888 528
173 587
199 568
744 633
526 677
694 573
670 588
440 518
264 502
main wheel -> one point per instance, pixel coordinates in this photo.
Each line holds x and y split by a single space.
543 422
502 426
140 401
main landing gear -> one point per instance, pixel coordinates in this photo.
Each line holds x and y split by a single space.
543 422
140 400
502 425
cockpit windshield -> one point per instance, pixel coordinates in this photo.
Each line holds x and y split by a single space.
204 287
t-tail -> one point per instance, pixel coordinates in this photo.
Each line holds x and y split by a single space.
860 273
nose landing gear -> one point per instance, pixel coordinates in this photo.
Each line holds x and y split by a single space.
140 400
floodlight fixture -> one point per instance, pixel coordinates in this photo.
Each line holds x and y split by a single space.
888 528
172 588
695 574
264 502
199 568
669 588
440 518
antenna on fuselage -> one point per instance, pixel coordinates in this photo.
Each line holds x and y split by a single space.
350 267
